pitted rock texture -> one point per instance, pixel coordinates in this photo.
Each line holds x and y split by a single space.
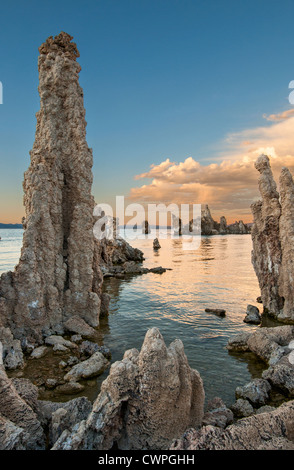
273 241
269 344
19 425
58 274
148 399
266 431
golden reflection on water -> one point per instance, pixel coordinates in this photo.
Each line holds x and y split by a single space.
218 274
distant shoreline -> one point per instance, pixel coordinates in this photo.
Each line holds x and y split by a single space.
11 226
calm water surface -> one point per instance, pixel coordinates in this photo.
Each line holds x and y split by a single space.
218 274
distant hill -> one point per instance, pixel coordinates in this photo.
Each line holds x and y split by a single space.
10 225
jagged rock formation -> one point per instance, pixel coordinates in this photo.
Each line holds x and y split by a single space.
238 228
58 273
207 222
262 427
118 258
118 252
25 420
272 430
148 399
19 426
272 237
223 227
116 255
209 226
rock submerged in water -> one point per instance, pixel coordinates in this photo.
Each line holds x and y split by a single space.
274 346
39 352
56 340
91 367
146 227
252 315
216 311
156 244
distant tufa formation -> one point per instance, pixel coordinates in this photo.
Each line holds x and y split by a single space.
273 241
58 274
210 227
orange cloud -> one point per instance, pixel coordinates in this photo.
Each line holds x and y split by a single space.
229 186
280 116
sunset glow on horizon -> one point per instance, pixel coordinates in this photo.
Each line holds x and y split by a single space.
180 100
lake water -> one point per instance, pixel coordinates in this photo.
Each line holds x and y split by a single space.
218 274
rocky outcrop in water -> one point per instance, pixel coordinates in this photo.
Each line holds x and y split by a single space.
257 425
269 344
118 259
209 226
58 273
207 222
177 225
223 227
274 346
252 315
273 246
238 228
148 399
145 227
156 244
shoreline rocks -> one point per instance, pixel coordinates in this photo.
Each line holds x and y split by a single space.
124 414
266 431
19 425
91 367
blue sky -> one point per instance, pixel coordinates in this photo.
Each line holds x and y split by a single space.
161 78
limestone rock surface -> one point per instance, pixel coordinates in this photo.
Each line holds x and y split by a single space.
273 241
91 367
20 428
272 430
58 274
148 399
